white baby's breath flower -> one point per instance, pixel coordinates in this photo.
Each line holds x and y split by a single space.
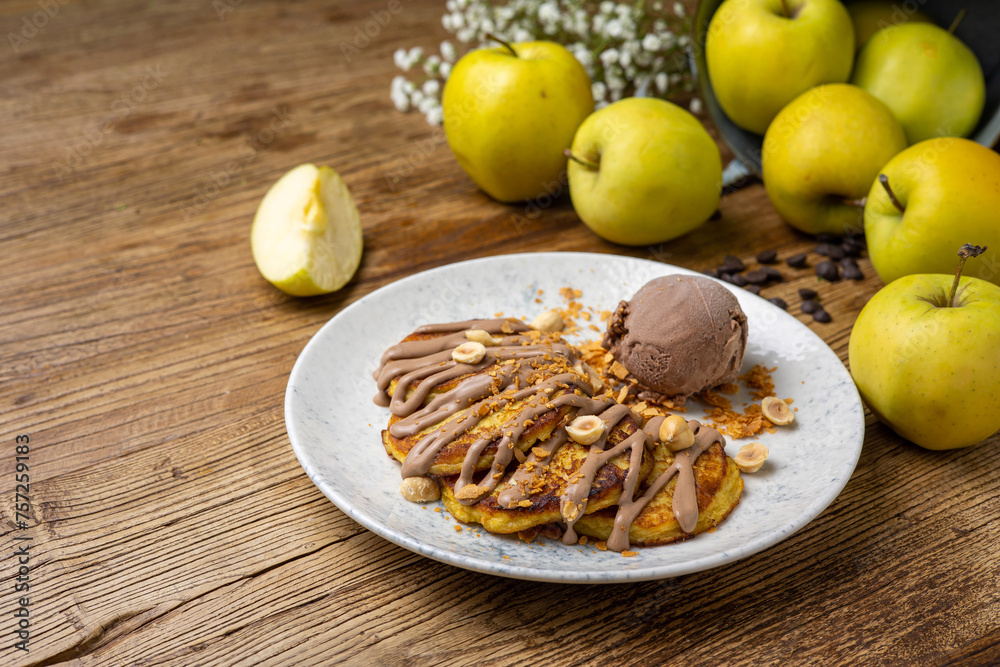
444 71
598 90
679 10
431 87
448 51
625 58
435 116
399 59
695 105
683 40
614 28
416 97
431 64
661 82
465 35
651 42
609 57
548 12
522 35
607 7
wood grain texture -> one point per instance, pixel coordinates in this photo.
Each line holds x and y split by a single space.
147 360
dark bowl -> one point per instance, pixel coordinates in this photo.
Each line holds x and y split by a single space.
979 30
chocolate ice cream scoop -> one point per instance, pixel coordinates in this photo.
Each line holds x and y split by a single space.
679 335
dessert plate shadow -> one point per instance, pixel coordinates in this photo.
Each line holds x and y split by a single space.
335 428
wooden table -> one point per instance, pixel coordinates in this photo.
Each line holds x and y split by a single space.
146 360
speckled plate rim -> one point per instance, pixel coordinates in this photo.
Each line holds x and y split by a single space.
849 423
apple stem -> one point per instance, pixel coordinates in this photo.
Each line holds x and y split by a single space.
784 9
884 180
966 251
958 19
502 43
579 160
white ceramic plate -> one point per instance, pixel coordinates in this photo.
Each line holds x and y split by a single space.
335 428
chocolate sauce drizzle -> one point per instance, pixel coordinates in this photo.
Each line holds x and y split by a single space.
518 356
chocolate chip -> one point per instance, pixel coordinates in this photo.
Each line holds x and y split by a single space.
822 316
773 274
739 280
753 289
828 238
712 273
757 277
810 306
716 215
832 251
853 273
733 263
767 257
848 261
779 302
828 271
852 248
797 261
805 293
725 276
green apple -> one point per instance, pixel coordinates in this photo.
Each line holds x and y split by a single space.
946 191
931 80
306 237
822 152
870 16
762 54
644 171
927 368
511 111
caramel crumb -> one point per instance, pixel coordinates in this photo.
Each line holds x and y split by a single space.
601 546
618 370
458 529
582 540
539 452
506 328
629 554
470 492
519 455
759 381
729 388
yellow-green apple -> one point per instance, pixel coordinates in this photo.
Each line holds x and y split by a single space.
511 111
643 171
929 367
822 152
931 80
943 192
762 54
870 16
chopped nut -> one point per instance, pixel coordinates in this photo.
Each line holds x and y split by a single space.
482 337
469 353
549 321
676 434
470 492
618 370
420 489
570 510
751 457
586 430
777 411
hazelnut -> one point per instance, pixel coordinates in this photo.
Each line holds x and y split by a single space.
482 337
586 430
549 321
751 457
420 489
469 353
676 434
777 411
